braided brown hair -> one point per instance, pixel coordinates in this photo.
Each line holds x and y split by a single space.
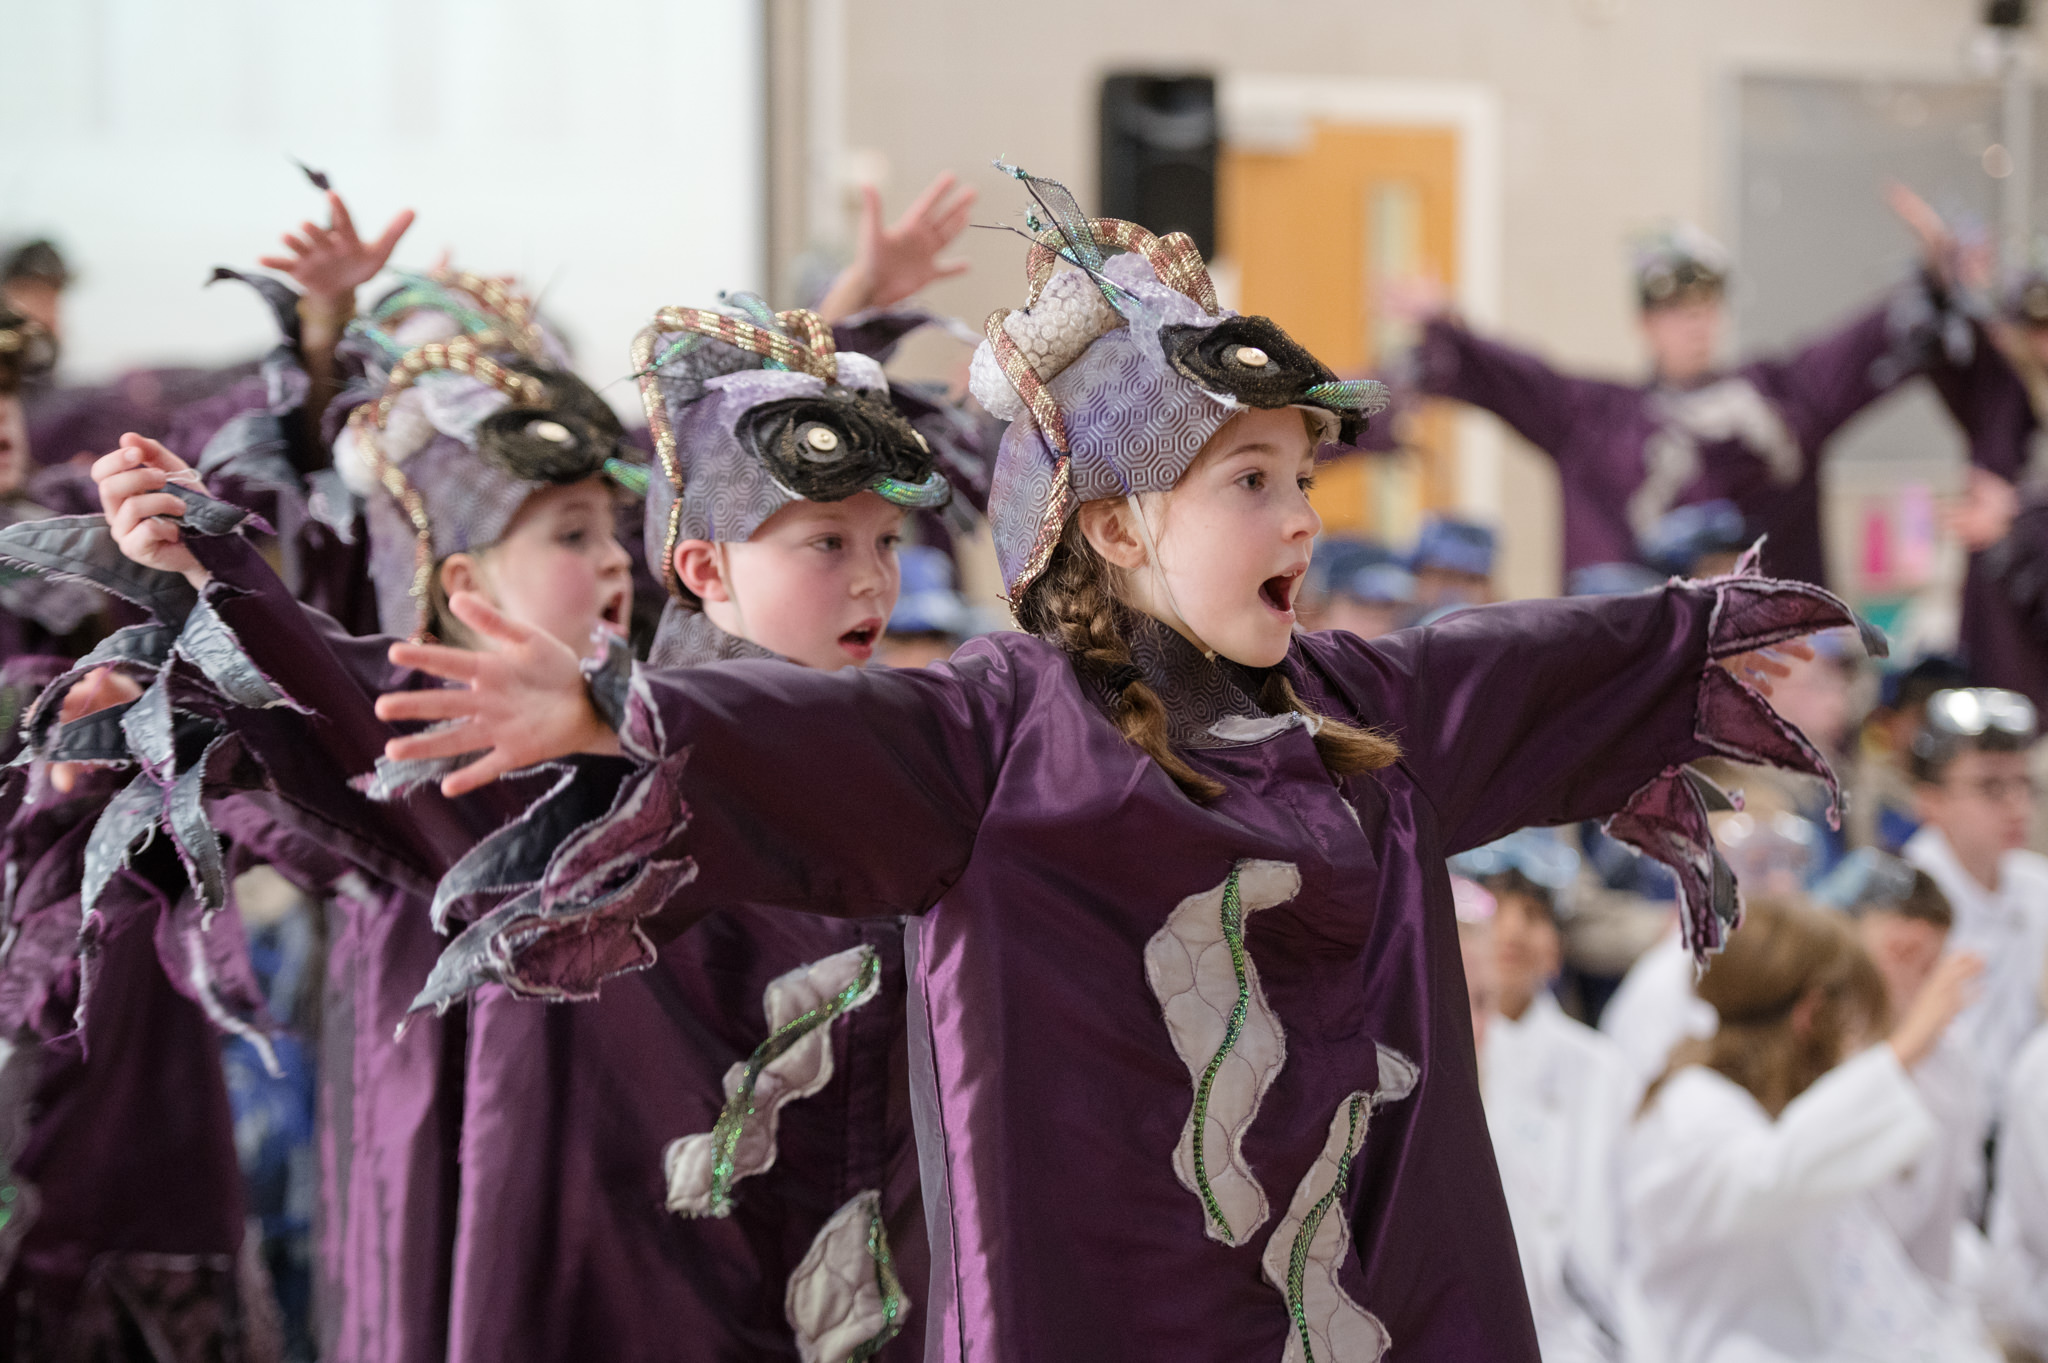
1074 604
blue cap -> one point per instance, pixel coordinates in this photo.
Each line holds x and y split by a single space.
1686 534
1611 579
1454 546
1537 853
929 602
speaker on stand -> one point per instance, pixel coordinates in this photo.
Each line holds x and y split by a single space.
1159 142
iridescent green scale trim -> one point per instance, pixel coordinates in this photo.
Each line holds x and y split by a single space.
1233 937
732 1119
886 1283
1304 1238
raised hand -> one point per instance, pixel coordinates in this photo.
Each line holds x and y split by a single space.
329 263
1767 665
132 480
892 263
1948 991
519 701
1983 515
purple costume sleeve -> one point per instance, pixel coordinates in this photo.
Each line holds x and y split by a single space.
1824 383
1539 402
1548 712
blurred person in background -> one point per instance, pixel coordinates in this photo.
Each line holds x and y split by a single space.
1558 1098
2015 1287
32 282
37 616
1701 540
1994 381
1975 796
1904 921
1881 811
1452 563
931 618
1361 587
1754 1230
1627 453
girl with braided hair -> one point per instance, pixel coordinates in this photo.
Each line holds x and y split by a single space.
1189 1054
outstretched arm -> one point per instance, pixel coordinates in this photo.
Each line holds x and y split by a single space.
329 264
893 262
1544 712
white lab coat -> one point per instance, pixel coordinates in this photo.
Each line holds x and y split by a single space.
2009 930
2016 1268
1559 1099
1928 1202
1655 1008
1757 1241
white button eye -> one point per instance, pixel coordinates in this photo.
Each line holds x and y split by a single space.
554 432
823 439
1251 357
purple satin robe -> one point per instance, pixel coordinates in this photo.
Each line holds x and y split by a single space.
562 1246
1988 400
1072 977
1627 453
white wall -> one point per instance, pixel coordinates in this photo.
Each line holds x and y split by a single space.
607 151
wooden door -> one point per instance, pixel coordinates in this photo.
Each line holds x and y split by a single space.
1313 236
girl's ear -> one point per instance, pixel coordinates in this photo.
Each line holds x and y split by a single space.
1107 524
462 573
700 567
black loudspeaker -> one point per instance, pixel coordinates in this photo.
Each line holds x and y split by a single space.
1159 138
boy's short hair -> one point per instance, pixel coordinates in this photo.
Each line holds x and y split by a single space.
1970 719
1869 881
1512 882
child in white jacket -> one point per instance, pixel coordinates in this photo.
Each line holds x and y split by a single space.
1751 1171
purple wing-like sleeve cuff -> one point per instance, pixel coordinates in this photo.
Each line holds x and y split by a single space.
1667 818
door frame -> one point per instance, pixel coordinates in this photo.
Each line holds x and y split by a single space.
1269 112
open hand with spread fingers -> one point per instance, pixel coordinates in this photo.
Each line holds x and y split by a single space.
330 263
519 700
895 261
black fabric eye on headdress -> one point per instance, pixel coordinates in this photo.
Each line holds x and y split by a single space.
567 439
829 447
1253 360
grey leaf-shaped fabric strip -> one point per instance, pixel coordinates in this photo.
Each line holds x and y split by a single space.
517 855
208 644
98 738
125 827
82 549
185 809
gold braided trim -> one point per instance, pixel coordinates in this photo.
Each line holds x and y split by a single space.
459 356
664 434
500 300
816 334
1050 526
1173 258
773 345
1044 409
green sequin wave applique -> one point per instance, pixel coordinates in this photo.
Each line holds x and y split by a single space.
1304 1238
1233 937
886 1283
732 1119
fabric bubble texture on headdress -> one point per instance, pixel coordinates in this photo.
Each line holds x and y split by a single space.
1119 368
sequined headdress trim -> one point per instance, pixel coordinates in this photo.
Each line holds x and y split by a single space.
815 354
461 356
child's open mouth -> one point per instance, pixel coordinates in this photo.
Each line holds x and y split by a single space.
860 640
1278 592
